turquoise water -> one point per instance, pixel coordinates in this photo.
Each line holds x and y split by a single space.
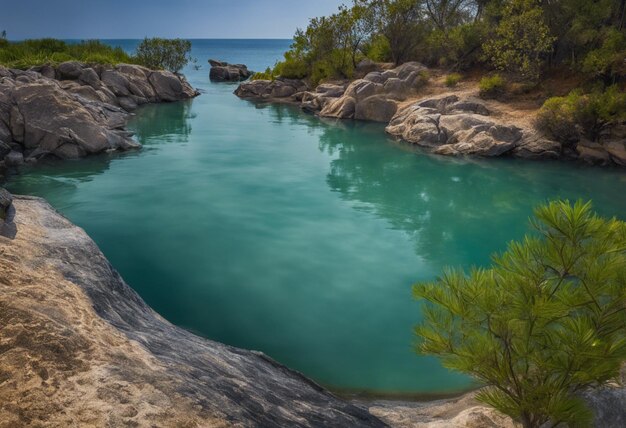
269 229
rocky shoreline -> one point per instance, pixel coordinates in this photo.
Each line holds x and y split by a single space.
445 121
74 109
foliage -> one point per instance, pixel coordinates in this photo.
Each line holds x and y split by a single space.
263 75
522 39
401 24
168 54
492 86
543 323
29 53
453 79
565 118
609 60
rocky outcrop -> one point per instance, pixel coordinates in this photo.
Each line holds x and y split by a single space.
74 110
79 347
278 90
224 72
373 98
453 126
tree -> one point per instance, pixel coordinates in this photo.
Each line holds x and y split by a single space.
544 323
522 39
168 54
400 21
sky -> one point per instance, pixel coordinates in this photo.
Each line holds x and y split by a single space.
125 19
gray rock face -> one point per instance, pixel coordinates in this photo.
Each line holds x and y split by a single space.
115 362
224 72
76 110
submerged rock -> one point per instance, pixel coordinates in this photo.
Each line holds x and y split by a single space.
224 72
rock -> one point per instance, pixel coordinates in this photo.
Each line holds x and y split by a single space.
443 125
617 151
170 87
330 90
69 70
279 89
57 124
591 152
5 149
366 66
5 202
376 108
98 355
396 89
375 76
88 76
14 158
116 82
341 108
224 72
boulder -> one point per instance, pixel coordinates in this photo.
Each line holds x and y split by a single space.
279 89
376 108
88 76
450 126
69 70
593 153
55 123
617 151
170 87
14 158
224 72
340 108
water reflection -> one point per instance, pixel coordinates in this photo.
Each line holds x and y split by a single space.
450 207
169 122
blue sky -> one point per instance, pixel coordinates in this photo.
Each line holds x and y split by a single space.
163 18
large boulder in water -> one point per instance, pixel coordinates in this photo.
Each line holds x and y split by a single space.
224 72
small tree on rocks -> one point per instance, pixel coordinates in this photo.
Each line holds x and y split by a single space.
547 321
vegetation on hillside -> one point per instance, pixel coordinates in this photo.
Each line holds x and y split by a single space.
543 324
154 53
520 37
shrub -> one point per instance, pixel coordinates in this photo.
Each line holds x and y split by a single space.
545 322
453 79
556 119
522 39
492 86
565 118
378 49
263 75
168 54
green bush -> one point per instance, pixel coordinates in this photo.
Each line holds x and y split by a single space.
168 54
545 322
453 79
610 59
565 118
378 49
263 75
492 86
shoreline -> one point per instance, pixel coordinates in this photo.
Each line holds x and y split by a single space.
417 107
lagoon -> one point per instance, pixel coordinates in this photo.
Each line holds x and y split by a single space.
265 228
